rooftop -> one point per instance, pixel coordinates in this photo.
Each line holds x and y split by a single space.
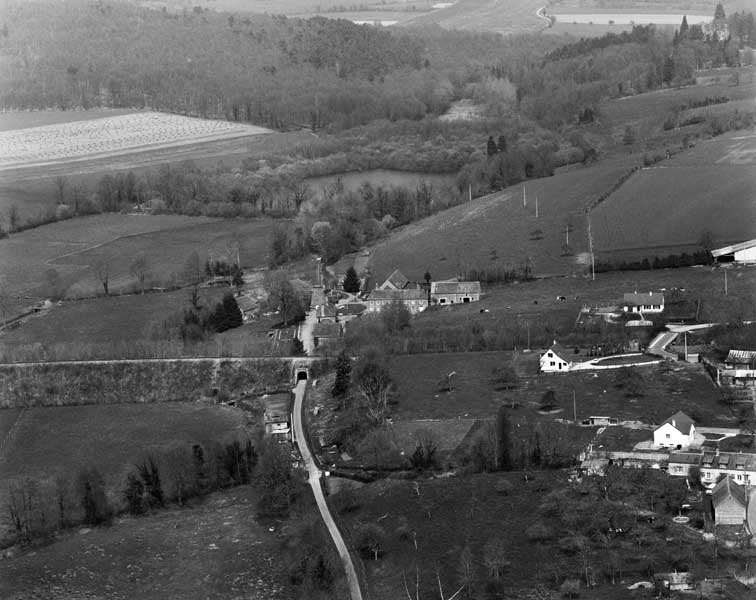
402 295
741 357
326 330
650 298
455 287
734 248
680 421
727 488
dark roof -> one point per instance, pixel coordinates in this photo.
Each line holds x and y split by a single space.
326 310
741 357
397 279
402 295
326 330
560 351
644 299
727 488
684 458
681 422
455 287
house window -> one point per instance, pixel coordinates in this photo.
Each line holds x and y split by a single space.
667 436
442 301
739 477
552 363
560 366
465 299
551 356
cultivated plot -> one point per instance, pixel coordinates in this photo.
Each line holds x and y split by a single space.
111 136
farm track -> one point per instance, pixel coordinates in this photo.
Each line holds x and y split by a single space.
11 432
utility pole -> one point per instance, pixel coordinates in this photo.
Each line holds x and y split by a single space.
686 346
590 247
567 234
574 406
469 191
536 207
524 201
725 281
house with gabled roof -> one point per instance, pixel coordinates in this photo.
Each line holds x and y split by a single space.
676 432
395 281
729 501
557 359
652 302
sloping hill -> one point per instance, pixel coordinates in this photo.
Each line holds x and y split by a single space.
665 208
498 231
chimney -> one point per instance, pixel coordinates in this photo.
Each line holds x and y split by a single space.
674 424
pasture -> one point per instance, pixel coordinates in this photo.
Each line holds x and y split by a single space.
74 247
665 208
215 549
498 231
661 392
514 16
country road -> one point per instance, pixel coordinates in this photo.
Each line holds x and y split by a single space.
115 361
315 475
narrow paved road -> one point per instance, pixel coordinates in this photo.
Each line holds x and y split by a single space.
113 361
660 342
314 480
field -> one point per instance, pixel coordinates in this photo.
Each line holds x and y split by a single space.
498 231
111 136
213 550
708 188
135 141
513 16
53 441
73 247
664 392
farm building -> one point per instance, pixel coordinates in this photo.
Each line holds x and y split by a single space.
325 313
454 292
277 416
347 312
652 302
600 421
729 502
677 431
745 252
673 582
741 359
556 359
415 300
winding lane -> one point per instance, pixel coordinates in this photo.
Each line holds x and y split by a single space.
315 475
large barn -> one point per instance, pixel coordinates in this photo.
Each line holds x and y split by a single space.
745 252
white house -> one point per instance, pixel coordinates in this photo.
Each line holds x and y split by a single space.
653 302
556 359
745 252
676 432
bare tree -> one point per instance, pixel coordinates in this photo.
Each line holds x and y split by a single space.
102 270
140 269
60 186
495 557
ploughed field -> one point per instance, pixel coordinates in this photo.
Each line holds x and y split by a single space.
111 136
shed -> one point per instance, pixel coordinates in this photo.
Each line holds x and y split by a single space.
729 500
744 252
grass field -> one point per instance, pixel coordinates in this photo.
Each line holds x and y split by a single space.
11 121
514 16
213 550
73 247
664 392
708 188
61 441
498 231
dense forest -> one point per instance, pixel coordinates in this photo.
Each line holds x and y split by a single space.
325 74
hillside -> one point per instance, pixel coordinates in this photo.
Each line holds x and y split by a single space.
497 231
659 210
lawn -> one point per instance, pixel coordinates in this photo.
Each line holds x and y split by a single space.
498 231
216 549
52 442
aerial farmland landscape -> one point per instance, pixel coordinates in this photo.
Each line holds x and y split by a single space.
302 299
